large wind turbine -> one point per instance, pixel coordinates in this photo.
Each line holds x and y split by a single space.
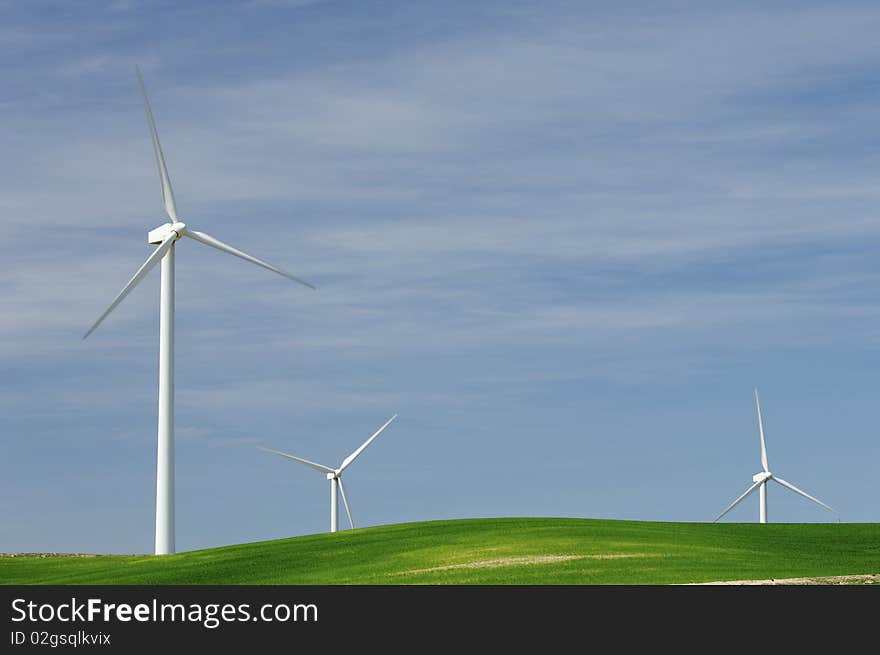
335 475
165 237
760 480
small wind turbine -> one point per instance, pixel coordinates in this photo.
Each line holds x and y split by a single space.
335 475
759 480
165 236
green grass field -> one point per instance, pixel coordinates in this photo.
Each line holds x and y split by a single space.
491 551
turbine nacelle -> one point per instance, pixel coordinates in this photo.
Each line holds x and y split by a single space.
762 476
159 234
333 476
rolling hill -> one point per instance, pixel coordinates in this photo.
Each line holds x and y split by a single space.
524 551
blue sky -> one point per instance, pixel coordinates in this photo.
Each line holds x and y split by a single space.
564 241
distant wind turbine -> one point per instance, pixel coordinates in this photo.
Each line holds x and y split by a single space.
165 236
759 480
335 475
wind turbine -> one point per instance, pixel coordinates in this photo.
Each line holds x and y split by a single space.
165 237
335 475
760 480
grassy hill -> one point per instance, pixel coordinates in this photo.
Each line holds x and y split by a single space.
491 551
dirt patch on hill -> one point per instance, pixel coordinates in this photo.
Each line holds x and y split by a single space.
521 561
870 578
47 555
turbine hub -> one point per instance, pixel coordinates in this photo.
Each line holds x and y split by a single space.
333 476
162 232
760 477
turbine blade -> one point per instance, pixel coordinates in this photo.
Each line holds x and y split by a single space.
803 493
738 500
208 240
348 460
167 193
317 467
145 268
761 430
345 501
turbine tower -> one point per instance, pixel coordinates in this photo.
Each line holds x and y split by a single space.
335 475
760 480
165 237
